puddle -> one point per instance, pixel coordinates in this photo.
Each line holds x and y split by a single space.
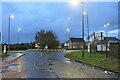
13 64
7 66
4 67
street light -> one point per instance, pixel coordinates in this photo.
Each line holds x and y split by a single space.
68 30
75 3
86 13
106 25
18 35
10 16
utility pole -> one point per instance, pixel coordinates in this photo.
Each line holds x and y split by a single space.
8 34
10 16
83 29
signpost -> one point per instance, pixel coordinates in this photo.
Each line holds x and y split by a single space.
46 47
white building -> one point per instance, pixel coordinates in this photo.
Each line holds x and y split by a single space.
101 43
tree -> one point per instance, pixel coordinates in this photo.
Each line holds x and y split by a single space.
47 38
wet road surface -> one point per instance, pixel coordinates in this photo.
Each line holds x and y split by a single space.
36 64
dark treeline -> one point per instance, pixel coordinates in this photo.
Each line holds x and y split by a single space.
22 46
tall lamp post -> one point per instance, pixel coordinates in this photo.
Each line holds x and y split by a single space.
106 25
86 13
18 35
10 16
89 48
76 2
83 29
68 30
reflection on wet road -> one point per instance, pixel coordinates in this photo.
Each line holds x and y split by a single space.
36 64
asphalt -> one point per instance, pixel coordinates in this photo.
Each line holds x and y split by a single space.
37 64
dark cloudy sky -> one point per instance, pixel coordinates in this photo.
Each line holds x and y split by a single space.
57 16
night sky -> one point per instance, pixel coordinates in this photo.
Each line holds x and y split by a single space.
57 16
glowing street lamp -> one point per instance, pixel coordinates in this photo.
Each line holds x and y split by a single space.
19 29
10 16
76 3
106 25
18 35
86 13
68 30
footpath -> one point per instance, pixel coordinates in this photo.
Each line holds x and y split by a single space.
8 60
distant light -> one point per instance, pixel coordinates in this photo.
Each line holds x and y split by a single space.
105 25
19 29
12 16
108 24
75 2
68 30
84 13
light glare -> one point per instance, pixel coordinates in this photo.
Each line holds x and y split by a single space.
84 13
108 24
105 25
68 30
19 29
75 2
11 16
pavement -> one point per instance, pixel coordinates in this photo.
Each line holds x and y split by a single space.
6 63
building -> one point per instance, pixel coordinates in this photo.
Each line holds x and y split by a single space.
66 45
74 43
100 42
96 37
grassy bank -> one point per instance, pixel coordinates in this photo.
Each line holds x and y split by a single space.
10 52
97 59
14 51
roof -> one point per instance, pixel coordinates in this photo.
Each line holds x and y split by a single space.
76 39
96 34
111 38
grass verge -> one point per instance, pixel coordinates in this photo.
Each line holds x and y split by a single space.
10 52
14 51
98 59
